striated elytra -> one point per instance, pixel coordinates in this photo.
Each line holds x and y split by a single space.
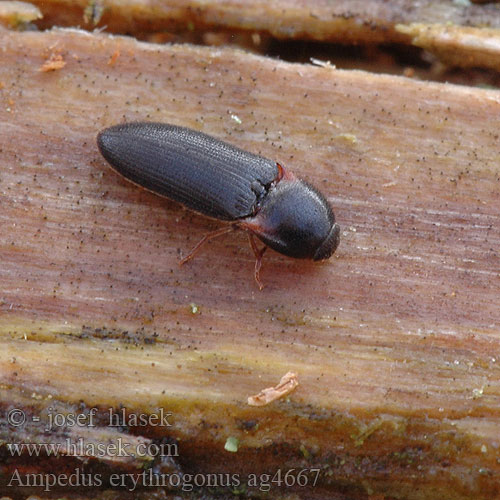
224 182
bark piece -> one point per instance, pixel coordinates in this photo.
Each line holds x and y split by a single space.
286 385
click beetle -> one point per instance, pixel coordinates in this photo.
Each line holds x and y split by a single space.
226 183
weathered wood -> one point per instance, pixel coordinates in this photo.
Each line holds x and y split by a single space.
395 340
459 34
15 14
338 20
457 45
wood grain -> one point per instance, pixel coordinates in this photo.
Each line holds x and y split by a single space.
18 14
459 46
460 34
395 340
342 21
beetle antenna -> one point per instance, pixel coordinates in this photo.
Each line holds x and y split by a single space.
207 237
258 258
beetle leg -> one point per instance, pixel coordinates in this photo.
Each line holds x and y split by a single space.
258 258
207 237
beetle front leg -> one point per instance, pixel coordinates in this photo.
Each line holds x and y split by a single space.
207 237
258 258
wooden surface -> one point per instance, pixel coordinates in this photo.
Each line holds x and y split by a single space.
395 340
459 46
15 14
338 20
460 34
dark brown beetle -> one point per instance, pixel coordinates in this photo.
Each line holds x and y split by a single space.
224 182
